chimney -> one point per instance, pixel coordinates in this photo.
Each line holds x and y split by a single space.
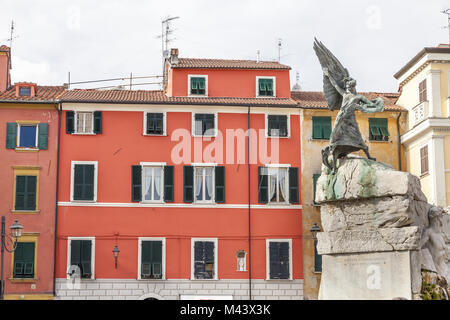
173 56
5 66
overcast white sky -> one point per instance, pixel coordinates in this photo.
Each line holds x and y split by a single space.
111 38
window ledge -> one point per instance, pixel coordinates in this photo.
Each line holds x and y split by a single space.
265 97
320 140
317 272
25 211
205 202
83 201
151 202
284 280
19 280
154 135
215 279
287 137
197 95
423 175
84 134
204 136
20 149
151 280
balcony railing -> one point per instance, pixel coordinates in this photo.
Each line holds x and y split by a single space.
419 113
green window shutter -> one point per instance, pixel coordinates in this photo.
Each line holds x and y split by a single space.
326 127
97 122
262 86
86 250
43 136
220 184
70 122
293 185
269 84
168 184
151 259
202 84
136 183
383 125
263 185
24 260
11 135
25 193
84 182
317 128
315 178
188 188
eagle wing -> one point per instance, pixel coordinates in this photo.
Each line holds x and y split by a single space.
335 70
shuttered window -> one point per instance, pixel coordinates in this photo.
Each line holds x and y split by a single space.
83 187
155 123
84 122
277 125
423 91
378 129
152 183
27 136
321 128
279 260
151 259
204 184
11 135
24 260
424 160
204 260
317 259
198 85
204 124
265 87
81 256
25 198
315 178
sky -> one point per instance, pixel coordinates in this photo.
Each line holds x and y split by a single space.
105 39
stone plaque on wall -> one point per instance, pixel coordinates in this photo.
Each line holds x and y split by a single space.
366 276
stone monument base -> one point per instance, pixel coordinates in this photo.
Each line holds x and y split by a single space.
366 276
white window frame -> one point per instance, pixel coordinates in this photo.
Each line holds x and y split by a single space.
288 124
24 124
75 122
164 124
278 166
69 249
163 269
189 85
216 254
153 165
268 241
206 165
274 86
216 121
72 179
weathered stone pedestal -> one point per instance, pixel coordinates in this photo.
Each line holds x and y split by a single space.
372 218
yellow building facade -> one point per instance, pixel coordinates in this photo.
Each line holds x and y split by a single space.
424 91
314 110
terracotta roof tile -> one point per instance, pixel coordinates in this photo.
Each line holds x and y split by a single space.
157 96
43 94
316 99
4 48
228 64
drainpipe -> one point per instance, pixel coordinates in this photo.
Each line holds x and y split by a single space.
56 201
249 211
399 144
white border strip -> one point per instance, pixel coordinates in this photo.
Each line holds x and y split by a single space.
178 205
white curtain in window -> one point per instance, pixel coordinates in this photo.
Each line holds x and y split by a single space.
209 186
198 183
148 183
272 185
157 181
282 183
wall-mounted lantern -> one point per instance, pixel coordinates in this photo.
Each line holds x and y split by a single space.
314 229
116 255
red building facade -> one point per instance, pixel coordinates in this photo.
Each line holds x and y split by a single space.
196 187
28 162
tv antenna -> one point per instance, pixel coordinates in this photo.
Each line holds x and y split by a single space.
12 36
279 49
447 12
165 32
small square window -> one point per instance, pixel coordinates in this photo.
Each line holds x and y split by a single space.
85 123
265 87
27 136
378 129
277 125
198 85
204 124
25 91
155 124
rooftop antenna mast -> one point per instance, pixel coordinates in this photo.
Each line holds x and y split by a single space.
279 49
447 12
165 31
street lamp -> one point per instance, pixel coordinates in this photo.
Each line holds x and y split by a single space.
315 228
16 233
116 255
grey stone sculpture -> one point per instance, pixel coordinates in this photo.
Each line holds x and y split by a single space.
340 93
